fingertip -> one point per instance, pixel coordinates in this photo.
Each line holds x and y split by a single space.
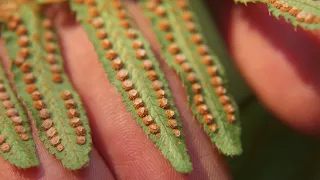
279 63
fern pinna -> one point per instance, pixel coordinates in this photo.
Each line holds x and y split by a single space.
184 49
42 85
132 68
303 13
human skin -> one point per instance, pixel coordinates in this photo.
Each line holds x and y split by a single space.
278 63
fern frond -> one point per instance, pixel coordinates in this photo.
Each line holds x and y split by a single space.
44 87
304 13
184 49
16 142
132 68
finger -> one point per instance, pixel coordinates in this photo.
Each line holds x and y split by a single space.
122 143
279 63
50 167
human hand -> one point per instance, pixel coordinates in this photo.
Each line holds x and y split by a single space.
121 149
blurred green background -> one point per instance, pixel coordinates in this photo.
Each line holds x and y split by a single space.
272 151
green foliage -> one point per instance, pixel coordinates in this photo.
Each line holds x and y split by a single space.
309 7
74 156
227 138
22 153
172 147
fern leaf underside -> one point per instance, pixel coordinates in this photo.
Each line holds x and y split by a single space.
44 87
184 49
304 13
16 143
132 68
